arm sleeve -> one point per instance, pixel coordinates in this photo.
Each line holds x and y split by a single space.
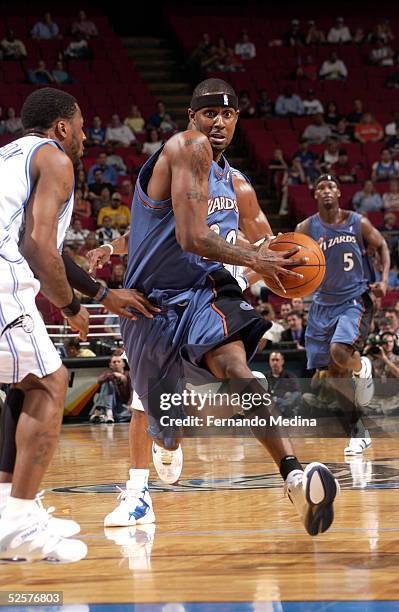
79 279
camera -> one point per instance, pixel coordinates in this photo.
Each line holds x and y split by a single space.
374 342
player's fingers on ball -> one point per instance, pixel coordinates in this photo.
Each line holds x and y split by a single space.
290 273
279 283
297 261
290 252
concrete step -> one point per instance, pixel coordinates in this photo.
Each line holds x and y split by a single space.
158 75
159 89
142 42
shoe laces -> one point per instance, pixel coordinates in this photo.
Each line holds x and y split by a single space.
129 493
45 513
166 456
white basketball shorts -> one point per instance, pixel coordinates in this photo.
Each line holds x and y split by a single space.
25 346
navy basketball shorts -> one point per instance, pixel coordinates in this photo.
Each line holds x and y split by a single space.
347 323
170 347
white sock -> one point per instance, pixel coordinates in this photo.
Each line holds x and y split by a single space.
139 478
362 367
5 492
16 507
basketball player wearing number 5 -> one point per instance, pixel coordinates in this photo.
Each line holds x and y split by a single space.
342 307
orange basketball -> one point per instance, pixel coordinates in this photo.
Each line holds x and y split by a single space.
313 271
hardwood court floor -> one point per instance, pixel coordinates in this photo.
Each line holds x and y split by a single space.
226 533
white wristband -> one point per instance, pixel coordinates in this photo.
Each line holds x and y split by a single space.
111 248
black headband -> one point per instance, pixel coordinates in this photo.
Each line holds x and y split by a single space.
214 99
326 177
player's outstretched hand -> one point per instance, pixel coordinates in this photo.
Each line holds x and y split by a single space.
274 264
379 289
98 257
80 323
118 300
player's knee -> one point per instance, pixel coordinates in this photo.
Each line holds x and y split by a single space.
57 382
340 353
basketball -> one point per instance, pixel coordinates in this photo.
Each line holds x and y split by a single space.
313 271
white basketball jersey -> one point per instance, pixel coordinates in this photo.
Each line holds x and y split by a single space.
15 191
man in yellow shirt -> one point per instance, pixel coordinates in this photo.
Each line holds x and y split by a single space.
117 212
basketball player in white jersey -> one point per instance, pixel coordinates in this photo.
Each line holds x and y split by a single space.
36 201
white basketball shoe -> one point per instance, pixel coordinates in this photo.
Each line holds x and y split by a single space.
357 446
168 464
313 492
135 508
30 538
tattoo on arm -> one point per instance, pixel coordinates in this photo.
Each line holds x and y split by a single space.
199 173
217 249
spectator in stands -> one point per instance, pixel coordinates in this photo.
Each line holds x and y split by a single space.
382 31
126 191
245 106
2 122
73 349
355 116
359 37
333 68
273 335
108 172
152 143
135 121
381 54
295 332
106 233
90 243
314 35
385 168
342 169
318 131
114 160
339 33
368 199
118 134
391 198
95 134
298 306
294 37
12 48
288 103
392 126
306 70
75 233
40 75
244 48
392 80
81 207
115 394
389 221
72 250
161 120
12 123
96 190
84 26
45 29
117 212
341 132
285 309
386 362
393 144
332 115
277 166
78 48
210 61
61 76
311 104
231 62
283 385
81 183
264 106
308 161
368 129
329 157
117 274
221 51
200 53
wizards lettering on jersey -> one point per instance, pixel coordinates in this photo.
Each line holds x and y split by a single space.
221 203
337 240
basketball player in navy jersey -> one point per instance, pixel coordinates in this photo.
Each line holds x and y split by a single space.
342 307
185 226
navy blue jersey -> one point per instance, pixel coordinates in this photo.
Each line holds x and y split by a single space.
346 275
157 265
